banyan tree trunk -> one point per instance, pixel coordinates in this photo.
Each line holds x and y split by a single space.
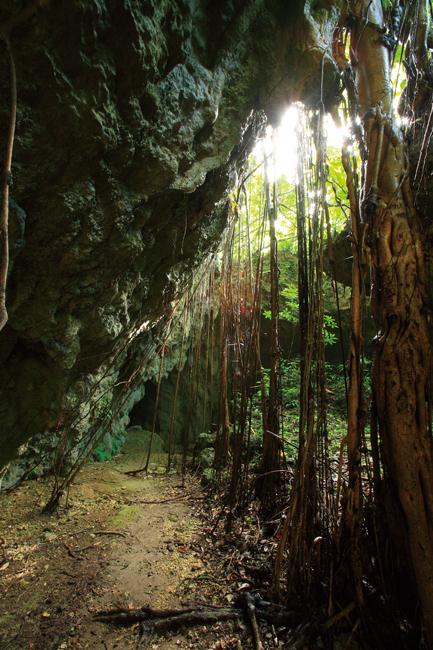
402 356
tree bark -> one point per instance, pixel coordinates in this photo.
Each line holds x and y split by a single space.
400 375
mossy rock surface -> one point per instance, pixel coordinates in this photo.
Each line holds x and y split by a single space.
138 439
126 515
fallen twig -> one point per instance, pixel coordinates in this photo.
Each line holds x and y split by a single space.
109 532
251 611
142 470
170 499
160 620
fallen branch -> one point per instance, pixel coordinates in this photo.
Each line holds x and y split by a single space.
169 619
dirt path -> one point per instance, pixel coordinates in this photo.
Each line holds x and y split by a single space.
110 546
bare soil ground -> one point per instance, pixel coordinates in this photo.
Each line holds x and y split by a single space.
119 540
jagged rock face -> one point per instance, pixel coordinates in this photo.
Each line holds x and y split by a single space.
133 118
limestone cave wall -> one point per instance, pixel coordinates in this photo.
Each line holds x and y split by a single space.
134 118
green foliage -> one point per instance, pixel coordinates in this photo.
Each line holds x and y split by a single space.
329 327
337 191
290 382
290 311
287 239
337 207
290 314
